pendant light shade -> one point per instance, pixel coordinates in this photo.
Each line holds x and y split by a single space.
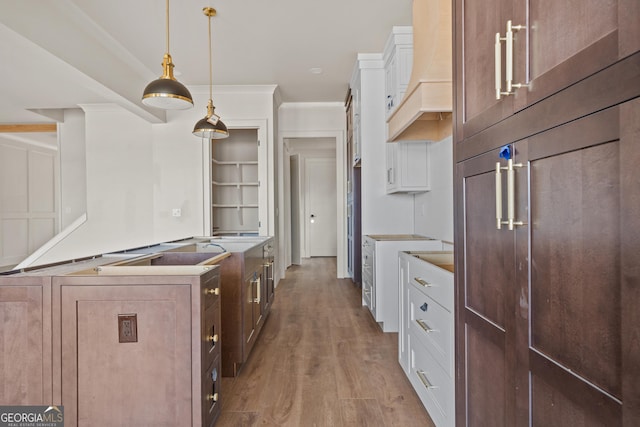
210 127
166 92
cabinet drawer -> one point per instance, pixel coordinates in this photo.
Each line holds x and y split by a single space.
211 403
432 281
434 387
211 334
211 290
430 323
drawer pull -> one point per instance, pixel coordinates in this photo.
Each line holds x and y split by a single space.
212 338
423 378
424 326
213 397
423 282
215 291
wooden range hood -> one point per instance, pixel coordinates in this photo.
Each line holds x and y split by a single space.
426 109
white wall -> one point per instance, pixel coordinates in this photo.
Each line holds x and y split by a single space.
28 194
119 159
313 120
137 173
73 167
434 209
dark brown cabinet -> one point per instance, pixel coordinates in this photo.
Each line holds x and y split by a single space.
551 46
546 312
545 309
247 295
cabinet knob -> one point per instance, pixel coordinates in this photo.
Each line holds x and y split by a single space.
215 291
424 307
212 338
213 397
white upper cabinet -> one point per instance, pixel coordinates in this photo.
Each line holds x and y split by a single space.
398 60
407 167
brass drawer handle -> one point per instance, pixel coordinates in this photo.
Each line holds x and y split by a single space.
215 291
213 397
423 282
212 338
424 326
423 378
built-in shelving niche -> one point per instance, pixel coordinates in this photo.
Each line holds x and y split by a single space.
235 183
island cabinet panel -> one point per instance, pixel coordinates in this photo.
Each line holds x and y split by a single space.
25 341
138 349
247 292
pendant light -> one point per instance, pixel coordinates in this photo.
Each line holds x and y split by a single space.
210 127
166 92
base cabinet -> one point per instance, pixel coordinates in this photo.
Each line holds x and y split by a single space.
426 335
247 295
380 273
137 350
548 307
25 337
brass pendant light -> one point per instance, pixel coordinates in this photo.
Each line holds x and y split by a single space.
166 92
210 127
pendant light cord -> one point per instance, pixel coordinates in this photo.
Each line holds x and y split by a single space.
210 63
167 15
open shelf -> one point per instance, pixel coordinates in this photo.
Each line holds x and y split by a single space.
235 183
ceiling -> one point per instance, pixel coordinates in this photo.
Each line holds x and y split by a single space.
64 53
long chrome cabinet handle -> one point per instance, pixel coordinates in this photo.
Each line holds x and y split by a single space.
511 29
509 71
498 69
498 196
424 326
511 189
423 377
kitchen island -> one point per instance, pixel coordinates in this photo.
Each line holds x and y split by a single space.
140 330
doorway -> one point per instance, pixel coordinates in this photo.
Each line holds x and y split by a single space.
320 207
311 183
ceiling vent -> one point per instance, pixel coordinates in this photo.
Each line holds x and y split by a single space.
426 109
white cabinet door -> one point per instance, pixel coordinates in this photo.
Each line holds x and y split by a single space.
407 167
398 60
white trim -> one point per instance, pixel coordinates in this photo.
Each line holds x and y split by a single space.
341 192
53 242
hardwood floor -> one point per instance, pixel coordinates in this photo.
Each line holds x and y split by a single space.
321 360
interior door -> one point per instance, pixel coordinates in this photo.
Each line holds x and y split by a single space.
321 206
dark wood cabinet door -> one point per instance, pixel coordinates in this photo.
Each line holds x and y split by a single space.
559 44
485 296
580 351
547 331
248 319
476 26
571 39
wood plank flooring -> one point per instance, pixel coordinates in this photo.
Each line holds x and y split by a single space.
321 360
